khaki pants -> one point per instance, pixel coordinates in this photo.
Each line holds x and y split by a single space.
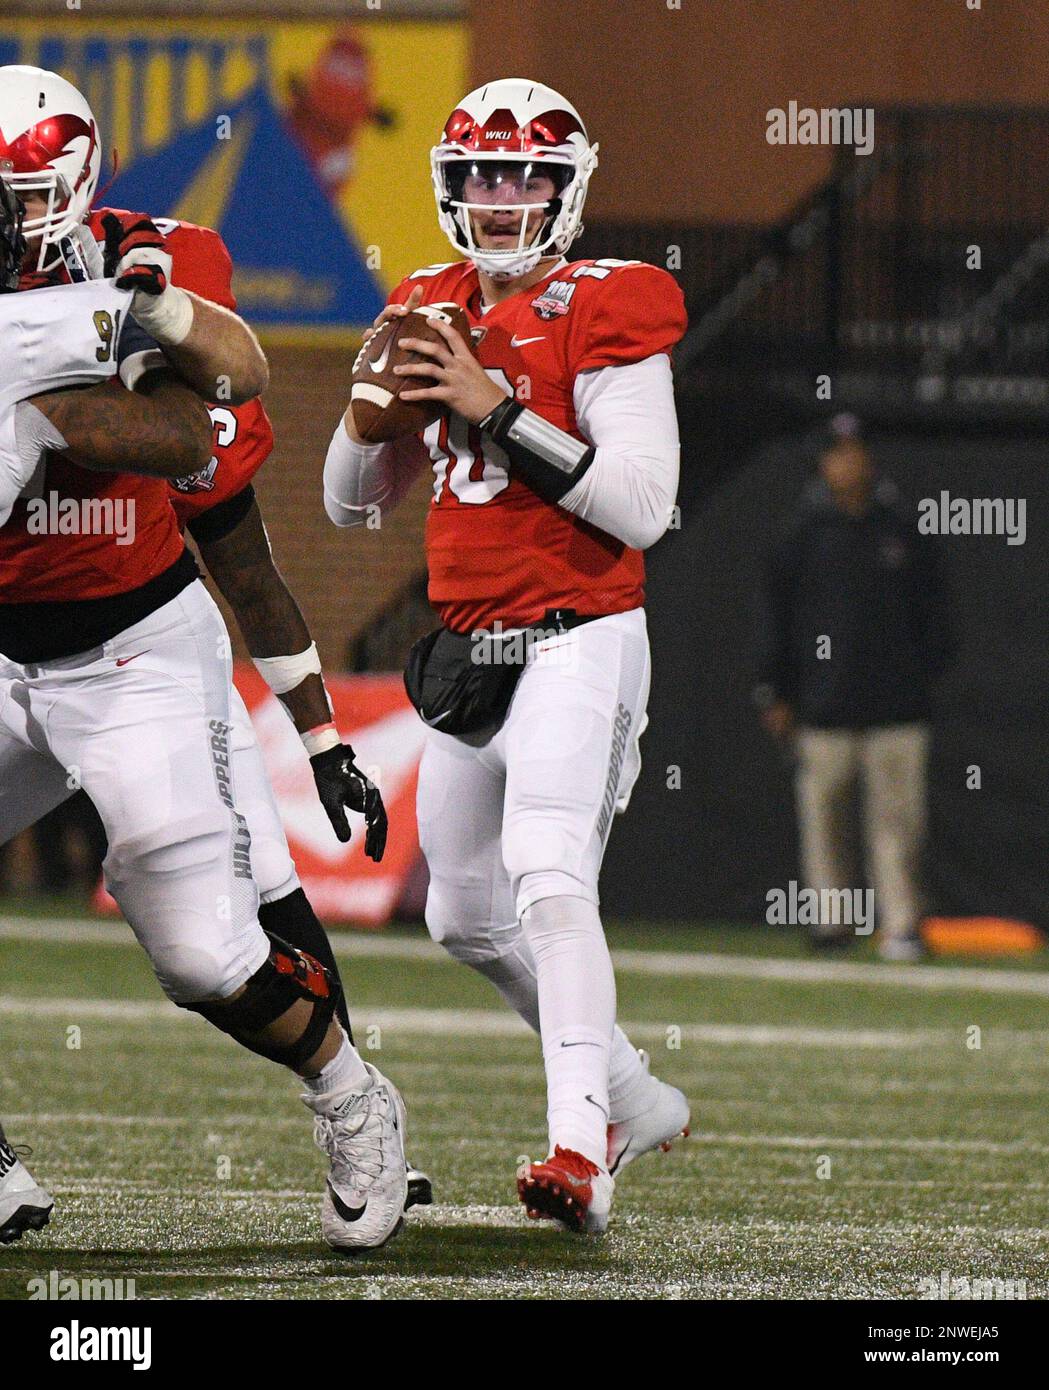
891 764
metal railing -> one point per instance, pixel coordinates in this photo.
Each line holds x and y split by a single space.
923 262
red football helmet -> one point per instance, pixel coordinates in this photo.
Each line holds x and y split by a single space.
50 137
506 123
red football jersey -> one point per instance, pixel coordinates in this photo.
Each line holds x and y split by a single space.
495 550
48 567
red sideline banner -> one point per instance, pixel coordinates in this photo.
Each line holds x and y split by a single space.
372 713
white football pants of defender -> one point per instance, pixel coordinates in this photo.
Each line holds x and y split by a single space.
143 724
514 828
22 805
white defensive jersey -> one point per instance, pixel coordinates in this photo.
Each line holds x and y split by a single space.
72 335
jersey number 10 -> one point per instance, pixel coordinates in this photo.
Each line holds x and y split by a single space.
466 466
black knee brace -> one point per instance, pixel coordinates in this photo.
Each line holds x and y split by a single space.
286 976
293 919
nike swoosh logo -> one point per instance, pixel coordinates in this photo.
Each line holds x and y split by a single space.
434 722
619 1158
123 660
581 1044
516 342
379 365
347 1213
600 1107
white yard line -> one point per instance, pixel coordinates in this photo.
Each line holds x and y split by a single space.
216 1125
366 945
77 931
923 977
486 1023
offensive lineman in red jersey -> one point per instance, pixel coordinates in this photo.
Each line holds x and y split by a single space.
555 464
120 668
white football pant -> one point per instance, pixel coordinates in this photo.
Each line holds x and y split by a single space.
142 723
514 828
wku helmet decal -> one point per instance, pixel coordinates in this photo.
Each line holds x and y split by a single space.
501 130
37 148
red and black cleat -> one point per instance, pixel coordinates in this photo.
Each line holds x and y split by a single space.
567 1188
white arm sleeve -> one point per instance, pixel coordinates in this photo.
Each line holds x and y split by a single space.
12 479
360 476
25 435
628 414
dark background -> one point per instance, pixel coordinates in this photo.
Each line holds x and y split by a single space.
716 846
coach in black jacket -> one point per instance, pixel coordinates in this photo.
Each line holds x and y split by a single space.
852 634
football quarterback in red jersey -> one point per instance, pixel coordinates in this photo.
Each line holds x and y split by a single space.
555 463
119 653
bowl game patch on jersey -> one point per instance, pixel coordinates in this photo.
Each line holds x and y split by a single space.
554 299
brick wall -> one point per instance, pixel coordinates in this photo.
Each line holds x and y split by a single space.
340 578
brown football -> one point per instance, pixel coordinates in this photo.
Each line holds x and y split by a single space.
375 393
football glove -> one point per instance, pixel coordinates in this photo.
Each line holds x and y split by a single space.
341 784
135 253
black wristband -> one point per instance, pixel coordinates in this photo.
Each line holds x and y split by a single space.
544 457
500 417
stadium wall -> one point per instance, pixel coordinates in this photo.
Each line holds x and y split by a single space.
677 92
714 838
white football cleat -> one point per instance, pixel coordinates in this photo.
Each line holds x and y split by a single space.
570 1189
363 1136
24 1206
664 1119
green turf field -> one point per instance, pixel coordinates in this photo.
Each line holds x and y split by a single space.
183 1164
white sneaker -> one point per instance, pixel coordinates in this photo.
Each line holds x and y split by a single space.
665 1119
24 1206
363 1136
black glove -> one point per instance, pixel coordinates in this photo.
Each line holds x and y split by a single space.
341 783
133 231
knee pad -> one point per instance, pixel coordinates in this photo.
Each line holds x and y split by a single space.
473 943
547 860
459 918
286 976
465 941
187 972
